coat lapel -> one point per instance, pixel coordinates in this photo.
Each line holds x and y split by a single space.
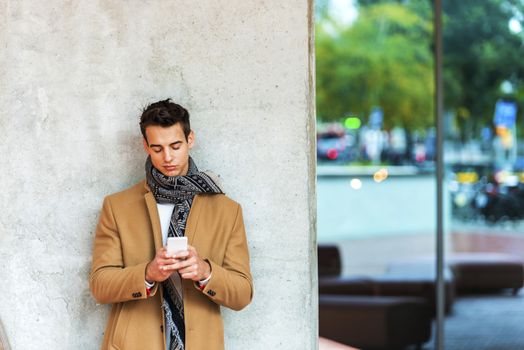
192 219
155 219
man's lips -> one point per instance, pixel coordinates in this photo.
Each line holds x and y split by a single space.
170 167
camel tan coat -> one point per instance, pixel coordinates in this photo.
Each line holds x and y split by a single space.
127 237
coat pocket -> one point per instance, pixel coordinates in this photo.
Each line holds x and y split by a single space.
121 324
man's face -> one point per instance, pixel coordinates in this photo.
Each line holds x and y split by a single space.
169 149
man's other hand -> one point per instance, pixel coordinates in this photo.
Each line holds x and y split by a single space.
162 266
191 266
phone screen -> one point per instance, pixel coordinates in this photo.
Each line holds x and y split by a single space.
176 244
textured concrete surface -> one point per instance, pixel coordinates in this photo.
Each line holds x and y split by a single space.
73 78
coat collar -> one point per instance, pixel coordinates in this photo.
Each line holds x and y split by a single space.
154 217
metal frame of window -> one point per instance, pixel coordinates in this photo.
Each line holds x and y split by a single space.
439 121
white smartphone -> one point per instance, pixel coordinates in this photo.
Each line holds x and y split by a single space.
176 244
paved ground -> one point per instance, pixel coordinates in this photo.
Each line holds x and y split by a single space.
485 322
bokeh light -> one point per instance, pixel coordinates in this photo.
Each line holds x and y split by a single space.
380 175
352 123
356 184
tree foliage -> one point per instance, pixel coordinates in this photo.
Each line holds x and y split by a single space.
383 59
480 53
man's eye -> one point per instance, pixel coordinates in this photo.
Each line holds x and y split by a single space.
176 148
157 150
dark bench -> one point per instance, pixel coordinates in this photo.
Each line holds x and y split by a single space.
375 322
485 272
353 312
404 282
471 272
389 285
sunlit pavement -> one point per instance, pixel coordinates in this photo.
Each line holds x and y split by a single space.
396 205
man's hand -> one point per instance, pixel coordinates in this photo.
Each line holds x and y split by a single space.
188 264
161 267
191 266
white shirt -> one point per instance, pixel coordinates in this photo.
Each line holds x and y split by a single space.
164 212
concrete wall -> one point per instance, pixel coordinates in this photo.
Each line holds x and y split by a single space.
74 76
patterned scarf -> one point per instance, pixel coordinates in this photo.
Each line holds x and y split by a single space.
180 191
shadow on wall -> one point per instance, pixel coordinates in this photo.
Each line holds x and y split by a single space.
4 345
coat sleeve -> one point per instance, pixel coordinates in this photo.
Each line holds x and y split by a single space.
110 281
231 284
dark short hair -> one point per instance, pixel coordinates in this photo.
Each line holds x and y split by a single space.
165 113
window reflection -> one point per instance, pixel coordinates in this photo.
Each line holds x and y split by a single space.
376 151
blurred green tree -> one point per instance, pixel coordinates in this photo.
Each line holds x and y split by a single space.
382 59
480 53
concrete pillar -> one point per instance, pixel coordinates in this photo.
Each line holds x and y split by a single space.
74 76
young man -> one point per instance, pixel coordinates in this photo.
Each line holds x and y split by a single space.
162 300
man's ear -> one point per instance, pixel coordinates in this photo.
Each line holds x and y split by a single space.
191 139
146 145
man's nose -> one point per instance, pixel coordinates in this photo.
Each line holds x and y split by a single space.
168 156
